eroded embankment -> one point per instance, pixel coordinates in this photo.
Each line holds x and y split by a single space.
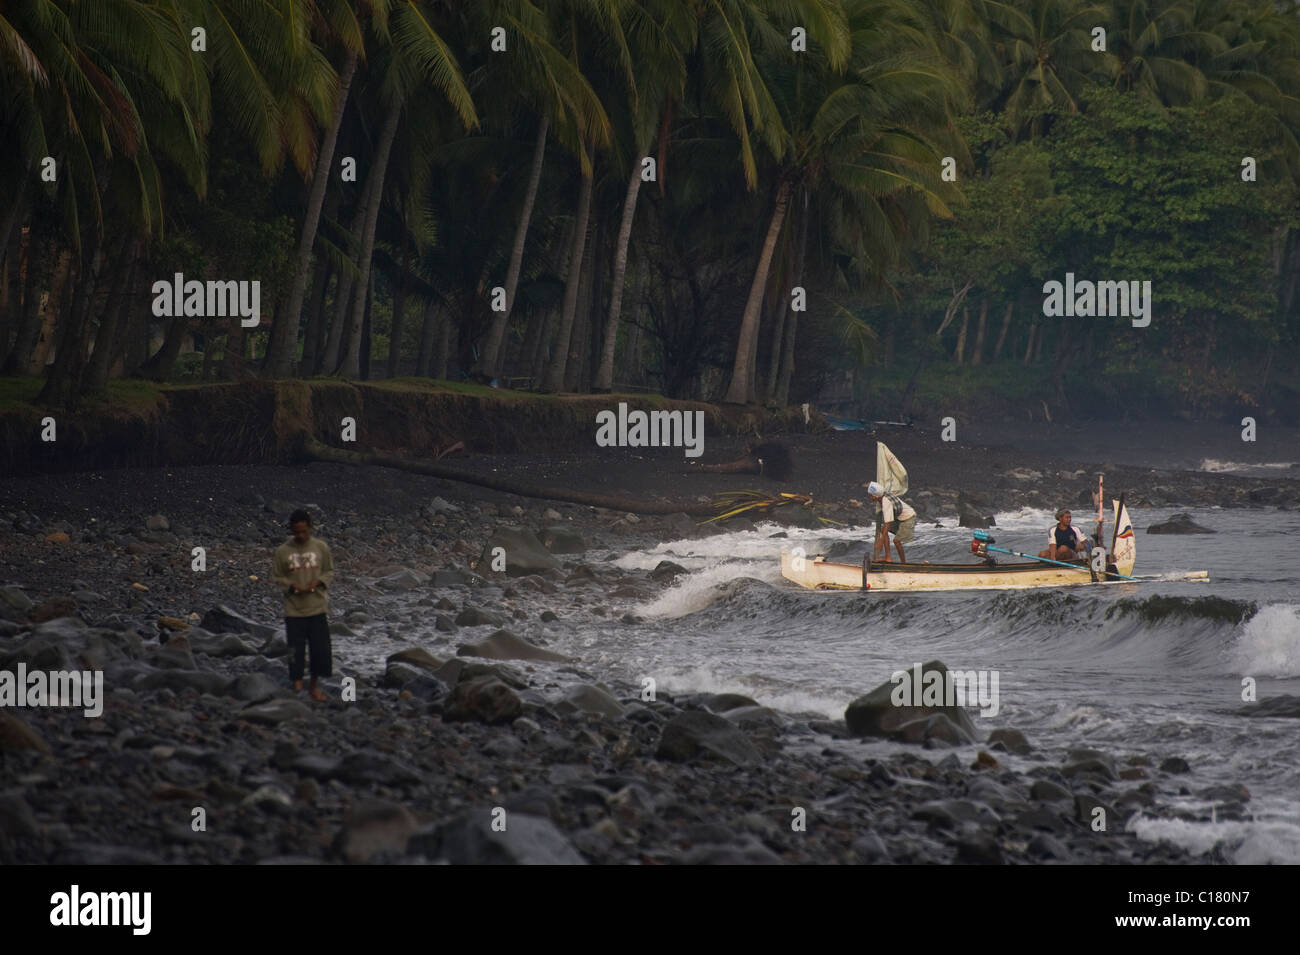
261 422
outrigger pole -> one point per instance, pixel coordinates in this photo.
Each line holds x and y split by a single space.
983 542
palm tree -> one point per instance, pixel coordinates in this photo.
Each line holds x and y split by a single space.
336 20
415 59
588 50
1045 45
867 139
1152 49
546 84
659 33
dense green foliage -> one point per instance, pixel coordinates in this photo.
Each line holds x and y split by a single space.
593 194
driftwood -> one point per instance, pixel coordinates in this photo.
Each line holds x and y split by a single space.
769 459
316 451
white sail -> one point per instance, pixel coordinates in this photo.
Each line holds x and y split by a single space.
890 471
1125 549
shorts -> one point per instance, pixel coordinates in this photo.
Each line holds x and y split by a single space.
903 531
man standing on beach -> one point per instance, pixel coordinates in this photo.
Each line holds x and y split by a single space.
303 568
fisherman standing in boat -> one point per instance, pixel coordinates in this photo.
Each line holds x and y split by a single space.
1064 540
893 516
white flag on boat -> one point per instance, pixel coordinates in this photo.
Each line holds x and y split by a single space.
890 471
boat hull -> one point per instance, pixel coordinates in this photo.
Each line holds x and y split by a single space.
818 574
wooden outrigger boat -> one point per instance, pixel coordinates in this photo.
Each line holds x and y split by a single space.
990 574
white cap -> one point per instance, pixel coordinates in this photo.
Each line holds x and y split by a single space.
876 489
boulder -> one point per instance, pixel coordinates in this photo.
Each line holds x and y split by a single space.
876 714
15 599
16 818
364 766
175 654
375 829
398 674
1045 790
694 732
483 700
53 608
589 699
253 687
1011 739
16 734
934 730
559 540
666 570
275 711
220 645
524 553
504 645
750 851
1285 705
1179 524
404 579
474 617
970 516
470 839
417 657
221 619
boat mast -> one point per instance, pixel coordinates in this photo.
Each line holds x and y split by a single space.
1100 517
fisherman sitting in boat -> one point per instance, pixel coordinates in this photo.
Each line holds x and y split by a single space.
893 516
1064 540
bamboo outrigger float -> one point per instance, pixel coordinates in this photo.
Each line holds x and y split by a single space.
990 574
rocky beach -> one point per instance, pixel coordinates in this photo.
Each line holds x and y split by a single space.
450 712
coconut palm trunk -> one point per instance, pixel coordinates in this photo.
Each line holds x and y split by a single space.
351 364
493 357
560 358
428 331
66 379
284 334
11 215
1002 335
399 311
782 392
111 320
741 389
39 271
605 374
978 355
313 342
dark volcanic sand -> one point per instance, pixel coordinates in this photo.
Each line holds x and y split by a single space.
392 776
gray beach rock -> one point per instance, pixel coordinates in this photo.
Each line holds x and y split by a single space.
1179 524
689 734
875 714
504 645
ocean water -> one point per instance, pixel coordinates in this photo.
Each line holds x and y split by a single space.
1155 668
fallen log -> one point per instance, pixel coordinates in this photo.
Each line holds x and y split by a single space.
770 459
314 450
